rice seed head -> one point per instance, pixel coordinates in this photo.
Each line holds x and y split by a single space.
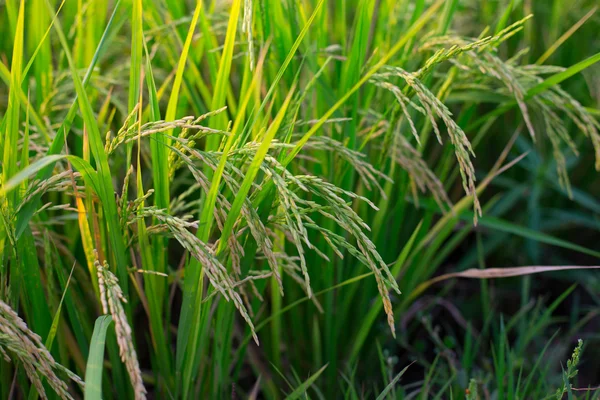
477 61
112 299
432 108
18 342
217 274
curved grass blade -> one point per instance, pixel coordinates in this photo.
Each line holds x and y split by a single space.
505 226
89 174
28 171
163 169
301 390
565 36
561 76
93 370
157 145
42 40
391 385
505 16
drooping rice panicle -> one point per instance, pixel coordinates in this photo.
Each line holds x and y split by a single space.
112 299
19 343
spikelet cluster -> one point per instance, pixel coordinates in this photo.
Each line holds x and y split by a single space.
60 182
18 342
112 299
432 108
130 131
216 272
295 201
479 63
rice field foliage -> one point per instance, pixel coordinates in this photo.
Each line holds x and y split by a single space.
274 199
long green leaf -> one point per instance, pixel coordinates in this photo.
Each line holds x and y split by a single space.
561 76
565 36
106 190
410 33
54 328
505 226
95 362
158 149
135 67
29 171
175 90
391 385
220 91
59 140
189 320
301 390
9 139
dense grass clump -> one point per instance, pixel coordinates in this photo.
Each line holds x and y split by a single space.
299 199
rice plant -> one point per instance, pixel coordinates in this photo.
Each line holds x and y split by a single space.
298 199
